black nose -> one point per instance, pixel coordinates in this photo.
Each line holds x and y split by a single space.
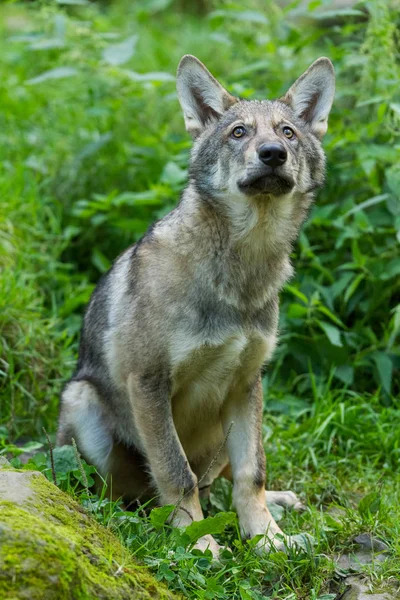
272 155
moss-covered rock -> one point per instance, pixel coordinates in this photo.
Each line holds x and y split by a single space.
50 549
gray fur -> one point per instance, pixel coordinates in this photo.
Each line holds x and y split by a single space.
176 334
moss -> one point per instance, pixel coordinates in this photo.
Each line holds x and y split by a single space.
51 549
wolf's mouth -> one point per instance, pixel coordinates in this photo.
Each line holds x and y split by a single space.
267 183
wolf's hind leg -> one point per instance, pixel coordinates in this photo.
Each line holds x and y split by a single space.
83 418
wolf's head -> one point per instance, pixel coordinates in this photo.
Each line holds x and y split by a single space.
248 151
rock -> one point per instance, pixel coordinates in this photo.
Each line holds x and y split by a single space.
371 543
358 589
4 462
370 549
51 549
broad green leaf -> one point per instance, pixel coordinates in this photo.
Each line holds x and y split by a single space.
173 174
384 367
367 203
395 106
251 16
118 54
100 261
276 511
146 198
341 283
32 446
93 147
333 524
221 494
328 313
345 373
65 459
159 516
73 2
160 76
393 181
296 311
353 286
370 504
339 13
48 44
57 73
391 269
293 290
332 333
210 525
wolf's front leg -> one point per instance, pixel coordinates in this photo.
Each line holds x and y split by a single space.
247 458
169 467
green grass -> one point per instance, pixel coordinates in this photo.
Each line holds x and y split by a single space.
92 154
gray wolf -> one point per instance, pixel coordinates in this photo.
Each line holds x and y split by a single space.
177 332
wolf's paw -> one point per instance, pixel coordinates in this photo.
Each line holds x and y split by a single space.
207 541
286 499
282 543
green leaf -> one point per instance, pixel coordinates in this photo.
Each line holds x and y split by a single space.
251 16
296 311
221 494
292 290
211 525
332 333
118 54
332 524
101 262
324 310
395 106
276 511
384 367
156 76
73 2
146 198
48 44
366 204
370 504
159 516
57 73
352 288
345 373
339 13
31 446
173 174
65 459
390 270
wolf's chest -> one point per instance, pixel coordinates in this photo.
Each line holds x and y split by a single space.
204 371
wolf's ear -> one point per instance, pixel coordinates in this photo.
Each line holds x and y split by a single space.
202 98
311 96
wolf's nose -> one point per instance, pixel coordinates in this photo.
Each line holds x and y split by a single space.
272 155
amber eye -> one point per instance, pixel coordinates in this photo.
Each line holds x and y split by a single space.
289 133
239 131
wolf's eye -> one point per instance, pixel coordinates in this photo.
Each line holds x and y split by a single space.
239 131
288 132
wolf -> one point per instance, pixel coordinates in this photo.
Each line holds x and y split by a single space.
167 392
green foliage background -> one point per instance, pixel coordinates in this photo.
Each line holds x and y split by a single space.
93 149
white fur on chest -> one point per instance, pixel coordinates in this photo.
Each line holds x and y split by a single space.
204 373
204 366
